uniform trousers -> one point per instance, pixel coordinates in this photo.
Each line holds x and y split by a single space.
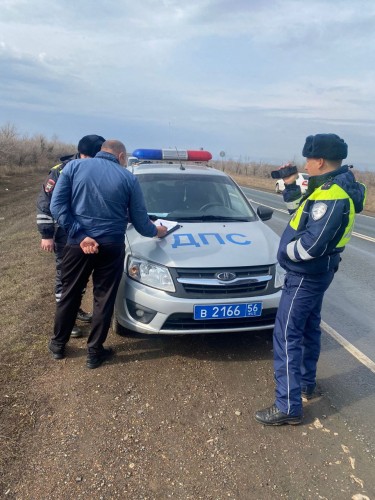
296 337
106 267
59 240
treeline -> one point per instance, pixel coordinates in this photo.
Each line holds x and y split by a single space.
247 168
19 151
263 170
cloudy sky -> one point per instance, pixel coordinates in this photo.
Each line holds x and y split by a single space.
251 78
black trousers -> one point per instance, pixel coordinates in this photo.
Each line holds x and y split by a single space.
60 240
106 267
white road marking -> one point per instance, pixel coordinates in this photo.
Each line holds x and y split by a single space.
364 237
357 235
268 206
362 358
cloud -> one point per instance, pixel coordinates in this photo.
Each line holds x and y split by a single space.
201 71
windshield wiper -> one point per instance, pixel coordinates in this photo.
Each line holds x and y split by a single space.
222 218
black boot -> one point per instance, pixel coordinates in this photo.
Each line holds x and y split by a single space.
84 316
273 416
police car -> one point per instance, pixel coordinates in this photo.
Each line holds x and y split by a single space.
216 270
132 160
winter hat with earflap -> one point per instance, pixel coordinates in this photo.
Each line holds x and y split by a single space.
327 146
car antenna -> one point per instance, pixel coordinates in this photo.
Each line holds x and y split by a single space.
178 156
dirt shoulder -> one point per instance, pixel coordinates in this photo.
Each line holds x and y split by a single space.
168 418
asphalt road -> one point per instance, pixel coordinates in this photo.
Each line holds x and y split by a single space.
348 306
347 364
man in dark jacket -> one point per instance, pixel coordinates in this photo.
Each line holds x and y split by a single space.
310 251
53 236
92 202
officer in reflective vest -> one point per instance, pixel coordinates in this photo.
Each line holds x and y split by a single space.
310 252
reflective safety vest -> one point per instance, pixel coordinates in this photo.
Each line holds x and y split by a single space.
326 193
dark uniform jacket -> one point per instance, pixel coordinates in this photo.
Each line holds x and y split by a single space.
322 221
95 197
46 225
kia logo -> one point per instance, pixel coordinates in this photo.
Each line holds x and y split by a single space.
225 276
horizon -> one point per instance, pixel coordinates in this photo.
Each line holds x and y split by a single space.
252 79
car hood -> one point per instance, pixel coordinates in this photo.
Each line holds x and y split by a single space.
208 244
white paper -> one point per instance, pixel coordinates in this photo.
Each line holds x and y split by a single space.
169 224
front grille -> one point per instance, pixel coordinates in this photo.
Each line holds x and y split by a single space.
184 321
228 290
204 284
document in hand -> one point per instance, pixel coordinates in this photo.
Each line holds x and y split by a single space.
169 224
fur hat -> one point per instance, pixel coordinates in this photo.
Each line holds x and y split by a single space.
327 146
89 145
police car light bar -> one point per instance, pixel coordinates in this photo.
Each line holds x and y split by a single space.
172 154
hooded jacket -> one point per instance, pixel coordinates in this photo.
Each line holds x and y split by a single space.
322 221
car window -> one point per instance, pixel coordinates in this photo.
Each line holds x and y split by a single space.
189 196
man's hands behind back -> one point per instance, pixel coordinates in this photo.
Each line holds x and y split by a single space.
89 245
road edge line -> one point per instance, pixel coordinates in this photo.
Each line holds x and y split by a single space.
362 358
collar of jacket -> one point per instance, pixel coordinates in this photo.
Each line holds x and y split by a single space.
107 156
318 180
69 157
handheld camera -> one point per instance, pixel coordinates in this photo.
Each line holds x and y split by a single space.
284 172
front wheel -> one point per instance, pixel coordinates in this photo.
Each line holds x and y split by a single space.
121 330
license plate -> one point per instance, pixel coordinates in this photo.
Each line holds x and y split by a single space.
226 311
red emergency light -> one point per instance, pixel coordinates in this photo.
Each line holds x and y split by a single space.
172 154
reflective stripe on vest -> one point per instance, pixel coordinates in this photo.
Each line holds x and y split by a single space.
59 166
335 192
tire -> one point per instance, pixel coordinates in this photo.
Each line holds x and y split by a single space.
125 332
121 330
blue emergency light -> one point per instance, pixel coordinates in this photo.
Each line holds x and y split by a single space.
172 154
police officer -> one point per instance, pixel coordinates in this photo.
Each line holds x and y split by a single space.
310 251
53 236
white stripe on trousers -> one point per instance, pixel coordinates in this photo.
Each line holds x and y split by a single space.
286 342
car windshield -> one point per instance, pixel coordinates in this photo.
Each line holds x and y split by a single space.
193 197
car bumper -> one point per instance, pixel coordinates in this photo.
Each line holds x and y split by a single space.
175 315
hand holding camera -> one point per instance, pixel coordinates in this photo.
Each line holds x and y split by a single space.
288 173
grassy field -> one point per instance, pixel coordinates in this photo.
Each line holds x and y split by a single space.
269 185
23 154
258 180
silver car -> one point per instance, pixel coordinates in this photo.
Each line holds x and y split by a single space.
216 272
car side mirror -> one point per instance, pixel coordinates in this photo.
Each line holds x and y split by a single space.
264 213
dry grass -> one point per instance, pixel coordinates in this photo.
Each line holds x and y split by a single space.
24 154
269 185
25 298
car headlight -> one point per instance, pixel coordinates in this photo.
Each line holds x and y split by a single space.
150 274
279 276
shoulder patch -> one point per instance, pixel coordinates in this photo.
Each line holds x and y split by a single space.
327 185
50 184
318 210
